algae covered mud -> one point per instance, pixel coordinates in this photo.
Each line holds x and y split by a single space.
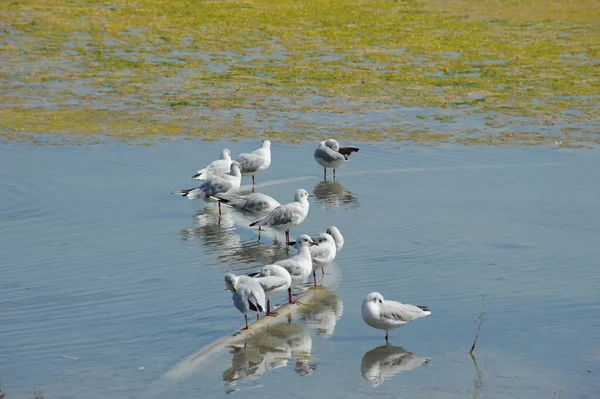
485 72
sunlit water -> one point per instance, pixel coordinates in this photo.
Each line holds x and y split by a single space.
108 282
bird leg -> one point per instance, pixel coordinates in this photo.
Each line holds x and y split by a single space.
287 237
314 278
290 298
323 273
324 173
246 318
269 313
386 337
257 315
334 175
219 207
253 182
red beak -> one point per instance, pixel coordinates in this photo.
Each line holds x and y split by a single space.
313 243
311 195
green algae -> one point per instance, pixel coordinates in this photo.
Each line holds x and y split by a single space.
134 70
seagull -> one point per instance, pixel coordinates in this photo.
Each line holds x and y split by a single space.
298 266
248 295
274 280
322 254
386 315
330 155
218 184
337 237
220 166
286 217
255 162
252 203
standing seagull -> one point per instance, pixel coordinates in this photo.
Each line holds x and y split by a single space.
218 184
274 280
287 216
298 266
248 295
255 162
386 315
251 203
322 254
220 166
330 155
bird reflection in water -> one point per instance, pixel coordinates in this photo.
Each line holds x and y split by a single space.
386 361
219 235
324 313
270 349
332 194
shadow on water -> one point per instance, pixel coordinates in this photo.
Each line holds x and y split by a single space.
323 316
220 236
386 361
332 195
270 349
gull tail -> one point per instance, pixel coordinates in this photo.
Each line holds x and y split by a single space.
424 309
347 151
183 193
223 200
253 274
257 222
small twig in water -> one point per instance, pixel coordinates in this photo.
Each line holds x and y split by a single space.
479 319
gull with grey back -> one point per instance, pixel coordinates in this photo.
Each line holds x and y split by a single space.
330 155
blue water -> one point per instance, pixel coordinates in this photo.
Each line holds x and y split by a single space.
107 282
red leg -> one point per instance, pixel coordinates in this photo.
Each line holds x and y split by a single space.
246 328
253 182
290 297
269 313
315 278
219 207
287 236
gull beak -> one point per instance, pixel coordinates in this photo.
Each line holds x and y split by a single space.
311 195
313 243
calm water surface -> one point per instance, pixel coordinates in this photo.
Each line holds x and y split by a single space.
107 282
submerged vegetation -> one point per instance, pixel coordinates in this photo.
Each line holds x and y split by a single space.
475 72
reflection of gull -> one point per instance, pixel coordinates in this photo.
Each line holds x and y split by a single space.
386 361
252 203
219 184
248 294
330 155
287 216
387 315
300 265
257 161
254 356
324 313
332 194
269 349
220 166
300 344
219 235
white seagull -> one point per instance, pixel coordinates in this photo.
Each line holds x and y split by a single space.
287 216
218 184
274 280
252 203
337 237
298 266
322 254
255 162
387 315
330 155
248 295
218 167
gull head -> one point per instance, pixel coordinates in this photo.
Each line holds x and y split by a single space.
323 238
333 144
375 297
337 236
301 195
235 169
226 154
266 144
230 282
304 241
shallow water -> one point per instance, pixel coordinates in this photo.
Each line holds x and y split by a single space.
107 282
